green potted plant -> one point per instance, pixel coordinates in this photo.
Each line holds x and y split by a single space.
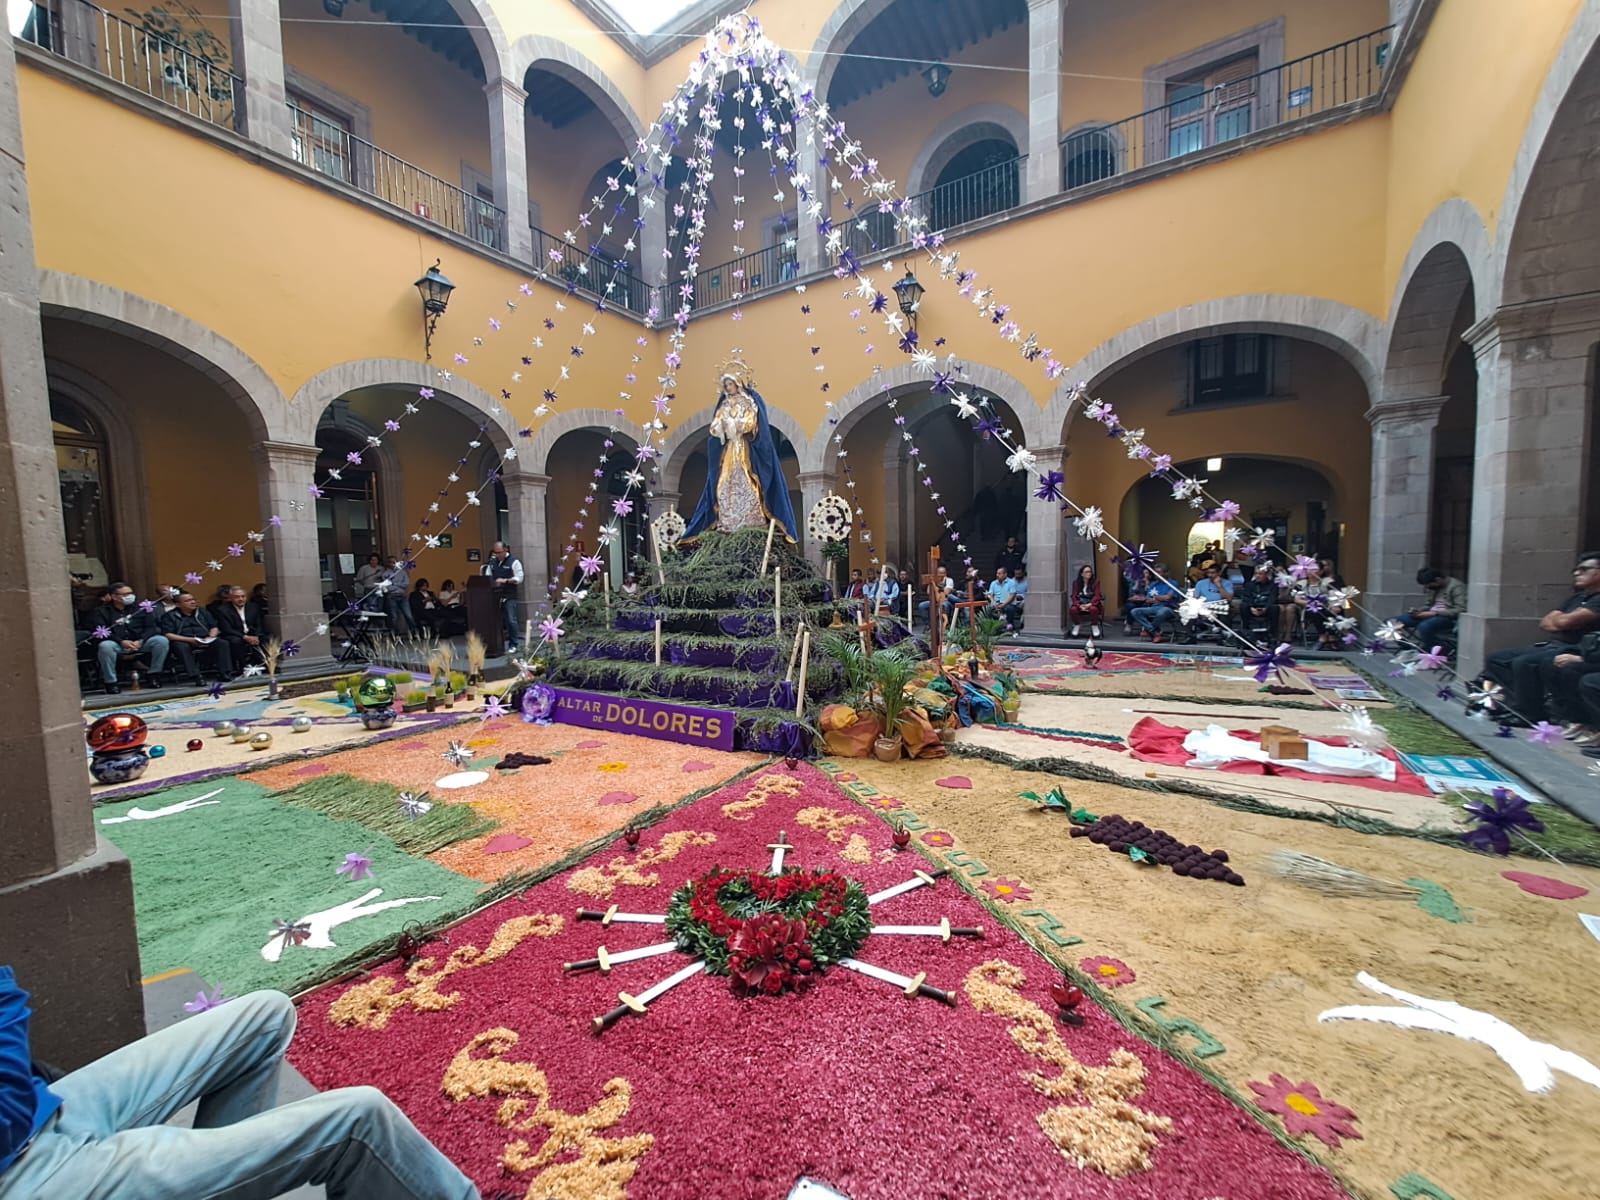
892 673
458 684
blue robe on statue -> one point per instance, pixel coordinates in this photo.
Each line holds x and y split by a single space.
769 473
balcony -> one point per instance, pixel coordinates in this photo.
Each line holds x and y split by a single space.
158 57
331 150
591 274
1337 79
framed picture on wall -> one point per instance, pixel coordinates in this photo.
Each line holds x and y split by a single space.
474 555
447 540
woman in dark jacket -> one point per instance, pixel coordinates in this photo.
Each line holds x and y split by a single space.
1087 604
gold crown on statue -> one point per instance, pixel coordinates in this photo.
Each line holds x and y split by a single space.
738 370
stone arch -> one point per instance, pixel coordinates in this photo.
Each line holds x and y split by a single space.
553 55
846 21
536 454
1348 332
819 452
241 378
689 435
468 399
392 516
1423 318
1557 128
488 36
974 124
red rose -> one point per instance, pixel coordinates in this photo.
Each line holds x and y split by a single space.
772 984
791 953
804 966
822 922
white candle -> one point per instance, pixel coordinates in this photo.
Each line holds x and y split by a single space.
909 621
605 587
794 653
655 546
527 633
658 641
877 597
772 528
800 683
777 601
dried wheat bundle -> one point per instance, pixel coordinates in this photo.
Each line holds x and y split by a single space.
477 655
1331 879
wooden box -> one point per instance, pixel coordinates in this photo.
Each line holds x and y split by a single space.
1279 741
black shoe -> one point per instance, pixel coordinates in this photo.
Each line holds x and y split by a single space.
113 689
197 680
1590 751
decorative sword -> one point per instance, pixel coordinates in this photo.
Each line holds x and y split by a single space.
779 849
919 879
638 1004
944 931
604 960
611 914
911 986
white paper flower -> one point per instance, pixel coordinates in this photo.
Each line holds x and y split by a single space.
1192 607
965 409
1021 460
1361 730
1390 632
1091 524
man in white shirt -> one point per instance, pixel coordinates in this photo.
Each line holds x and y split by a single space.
943 587
506 570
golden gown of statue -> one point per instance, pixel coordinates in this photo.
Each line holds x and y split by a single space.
739 502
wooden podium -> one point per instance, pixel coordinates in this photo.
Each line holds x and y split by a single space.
483 614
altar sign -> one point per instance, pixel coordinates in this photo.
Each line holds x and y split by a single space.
708 727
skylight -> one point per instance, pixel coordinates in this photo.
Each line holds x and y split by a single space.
647 16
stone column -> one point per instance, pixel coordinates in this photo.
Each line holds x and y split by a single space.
655 262
525 497
258 56
1043 177
1046 608
814 485
508 148
809 248
899 527
294 563
1402 501
66 896
1532 440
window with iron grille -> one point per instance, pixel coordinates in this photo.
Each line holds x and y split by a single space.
321 138
1236 366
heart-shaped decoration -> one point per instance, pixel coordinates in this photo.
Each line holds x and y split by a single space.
1067 995
770 933
617 798
959 782
505 843
1543 885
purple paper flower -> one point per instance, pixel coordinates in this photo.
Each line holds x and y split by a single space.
192 577
1497 818
235 550
1050 486
206 1001
354 867
1139 562
147 606
590 564
1304 564
550 629
292 647
293 933
425 393
492 708
316 492
353 458
1227 510
216 691
1274 660
1544 733
275 521
101 632
1435 660
622 506
392 425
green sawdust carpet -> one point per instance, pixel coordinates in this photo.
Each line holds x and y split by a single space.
226 858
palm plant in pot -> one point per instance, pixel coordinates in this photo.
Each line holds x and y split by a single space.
892 673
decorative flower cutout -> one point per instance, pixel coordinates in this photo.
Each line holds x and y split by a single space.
937 837
1305 1110
1107 972
1007 891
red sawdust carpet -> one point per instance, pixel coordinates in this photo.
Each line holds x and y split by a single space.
489 1048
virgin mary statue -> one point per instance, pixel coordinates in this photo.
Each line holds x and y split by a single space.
744 483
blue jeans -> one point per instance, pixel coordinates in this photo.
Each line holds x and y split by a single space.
1152 617
108 1139
508 609
1431 631
110 650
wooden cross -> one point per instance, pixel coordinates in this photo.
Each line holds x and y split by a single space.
935 604
972 604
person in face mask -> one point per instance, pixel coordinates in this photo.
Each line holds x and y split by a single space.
123 626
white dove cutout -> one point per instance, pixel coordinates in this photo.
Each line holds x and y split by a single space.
171 810
325 922
1535 1063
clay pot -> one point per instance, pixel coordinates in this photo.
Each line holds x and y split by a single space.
886 749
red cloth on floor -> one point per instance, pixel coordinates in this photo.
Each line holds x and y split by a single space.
1151 741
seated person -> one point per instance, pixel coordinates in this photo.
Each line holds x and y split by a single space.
1258 600
1019 601
424 607
883 594
239 624
193 633
448 597
1564 677
1002 596
129 630
368 576
1217 592
630 586
1310 599
101 1131
1520 669
1160 608
258 597
1435 620
1137 598
1087 604
857 587
944 587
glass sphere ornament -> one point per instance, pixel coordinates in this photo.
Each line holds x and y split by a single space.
194 744
119 731
223 729
261 741
300 724
374 691
158 751
378 718
242 733
119 766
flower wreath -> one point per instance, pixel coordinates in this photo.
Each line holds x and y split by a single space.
669 528
771 933
829 520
